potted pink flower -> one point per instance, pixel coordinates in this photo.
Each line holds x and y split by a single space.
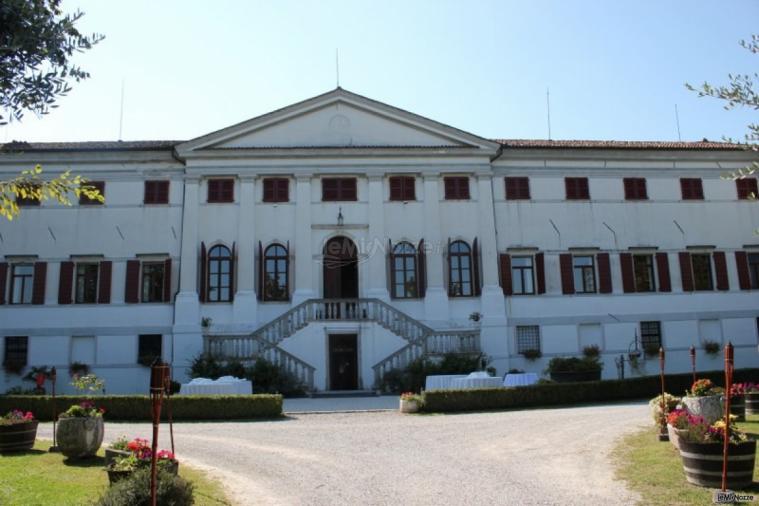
18 431
409 402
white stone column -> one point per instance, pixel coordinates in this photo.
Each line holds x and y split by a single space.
436 297
304 256
493 302
245 304
377 241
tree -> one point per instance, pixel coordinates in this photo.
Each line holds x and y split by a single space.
742 90
37 42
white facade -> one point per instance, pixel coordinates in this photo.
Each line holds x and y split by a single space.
343 134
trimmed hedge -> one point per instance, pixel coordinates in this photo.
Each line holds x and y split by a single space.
137 407
552 394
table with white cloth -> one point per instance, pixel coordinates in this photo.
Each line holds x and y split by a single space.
477 380
520 380
226 385
441 381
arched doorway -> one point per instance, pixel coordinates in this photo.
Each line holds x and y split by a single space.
340 269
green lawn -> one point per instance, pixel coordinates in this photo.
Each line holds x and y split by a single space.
654 470
39 478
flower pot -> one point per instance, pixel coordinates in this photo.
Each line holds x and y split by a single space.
116 476
410 406
171 467
575 376
738 407
702 463
18 437
752 403
111 455
709 407
80 437
674 435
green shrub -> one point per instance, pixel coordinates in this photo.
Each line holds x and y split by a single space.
137 407
591 351
135 491
412 378
574 364
266 376
568 393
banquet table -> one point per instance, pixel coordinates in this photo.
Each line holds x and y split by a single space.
477 380
225 385
441 381
520 380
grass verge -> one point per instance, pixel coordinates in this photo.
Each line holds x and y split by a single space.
655 471
40 478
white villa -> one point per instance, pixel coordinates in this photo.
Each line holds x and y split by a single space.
342 237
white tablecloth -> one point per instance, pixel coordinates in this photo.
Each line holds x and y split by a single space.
476 382
441 381
223 386
520 380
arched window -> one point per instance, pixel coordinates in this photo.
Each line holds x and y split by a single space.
459 269
276 273
219 274
403 266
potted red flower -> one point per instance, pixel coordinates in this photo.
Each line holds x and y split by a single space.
18 431
139 454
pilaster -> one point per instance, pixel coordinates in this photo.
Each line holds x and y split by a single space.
304 256
245 305
436 297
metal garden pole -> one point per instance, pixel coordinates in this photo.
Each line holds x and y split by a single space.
158 372
663 435
53 376
693 362
728 387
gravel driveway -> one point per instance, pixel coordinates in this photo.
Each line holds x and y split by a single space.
541 456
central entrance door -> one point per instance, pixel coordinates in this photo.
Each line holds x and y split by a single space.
343 362
340 269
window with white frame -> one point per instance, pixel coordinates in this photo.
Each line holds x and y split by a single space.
522 277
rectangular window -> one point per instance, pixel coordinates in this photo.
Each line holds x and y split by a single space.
152 281
692 188
753 270
156 192
16 351
528 338
28 201
517 188
335 189
635 188
86 283
643 270
22 276
402 188
650 336
276 189
584 273
746 187
702 271
522 278
221 190
84 200
456 187
149 348
577 188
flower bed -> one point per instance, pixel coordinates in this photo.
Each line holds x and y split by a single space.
138 456
137 407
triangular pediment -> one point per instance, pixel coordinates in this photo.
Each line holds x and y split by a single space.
338 119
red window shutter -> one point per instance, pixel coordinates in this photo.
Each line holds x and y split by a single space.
269 190
65 282
517 188
628 277
746 187
221 190
396 188
167 280
635 188
349 189
662 265
720 268
741 261
577 188
604 273
233 273
456 187
477 289
203 273
132 285
156 192
686 271
567 278
691 188
390 269
38 286
505 264
421 255
104 291
540 271
260 271
3 281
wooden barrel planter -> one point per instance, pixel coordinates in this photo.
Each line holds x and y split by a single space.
702 463
18 437
752 403
117 476
575 376
738 407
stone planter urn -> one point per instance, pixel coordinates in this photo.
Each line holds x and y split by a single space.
18 437
80 437
709 407
409 406
752 403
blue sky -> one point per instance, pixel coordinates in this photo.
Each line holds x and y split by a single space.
615 69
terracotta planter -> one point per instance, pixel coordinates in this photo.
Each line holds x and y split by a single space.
575 376
111 455
709 407
752 403
80 437
18 437
410 406
702 463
